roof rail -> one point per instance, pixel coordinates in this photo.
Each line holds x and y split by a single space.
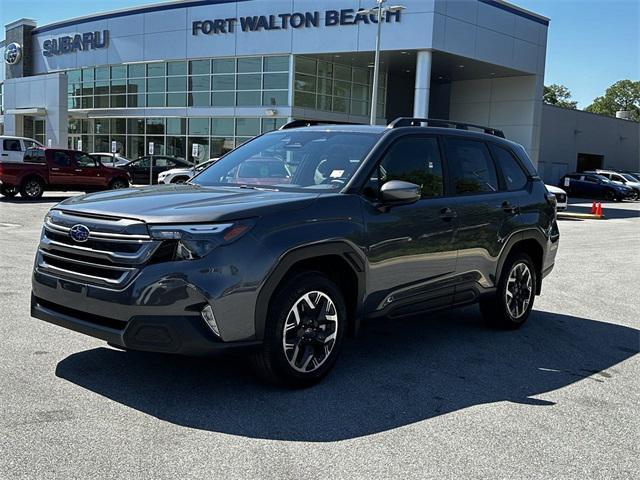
310 123
437 122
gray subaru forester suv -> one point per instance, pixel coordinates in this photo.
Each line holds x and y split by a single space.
287 243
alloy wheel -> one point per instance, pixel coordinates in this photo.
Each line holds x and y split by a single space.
519 290
310 331
33 188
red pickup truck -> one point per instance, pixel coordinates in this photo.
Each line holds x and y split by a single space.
58 169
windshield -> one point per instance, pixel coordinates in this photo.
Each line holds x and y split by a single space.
629 178
297 159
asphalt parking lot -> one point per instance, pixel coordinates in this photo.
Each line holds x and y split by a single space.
436 397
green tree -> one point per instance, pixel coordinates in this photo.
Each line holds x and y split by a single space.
558 95
622 95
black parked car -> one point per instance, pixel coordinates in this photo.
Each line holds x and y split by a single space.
593 185
372 221
139 168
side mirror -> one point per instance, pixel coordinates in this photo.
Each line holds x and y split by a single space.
399 192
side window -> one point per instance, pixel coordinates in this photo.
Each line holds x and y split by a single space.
142 163
514 177
85 161
29 144
11 145
590 179
416 160
471 166
62 159
162 162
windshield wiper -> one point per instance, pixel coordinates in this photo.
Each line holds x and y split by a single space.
254 187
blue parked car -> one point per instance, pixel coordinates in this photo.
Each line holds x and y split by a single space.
594 186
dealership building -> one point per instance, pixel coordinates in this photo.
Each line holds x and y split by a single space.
196 78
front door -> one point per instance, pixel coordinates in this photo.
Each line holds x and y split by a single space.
410 250
12 150
61 169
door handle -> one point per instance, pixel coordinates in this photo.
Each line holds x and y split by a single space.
54 169
509 208
5 154
448 214
78 169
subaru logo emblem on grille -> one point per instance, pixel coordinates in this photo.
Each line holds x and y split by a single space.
79 233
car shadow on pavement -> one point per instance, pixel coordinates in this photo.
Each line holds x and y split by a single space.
394 374
48 199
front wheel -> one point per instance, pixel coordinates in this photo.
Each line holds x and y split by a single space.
304 331
32 188
511 305
8 192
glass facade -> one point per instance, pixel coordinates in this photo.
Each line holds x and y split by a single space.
173 136
333 87
213 82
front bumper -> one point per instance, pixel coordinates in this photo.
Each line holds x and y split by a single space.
186 335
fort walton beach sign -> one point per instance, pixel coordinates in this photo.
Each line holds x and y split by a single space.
283 21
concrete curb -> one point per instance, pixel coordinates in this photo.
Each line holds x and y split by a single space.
581 216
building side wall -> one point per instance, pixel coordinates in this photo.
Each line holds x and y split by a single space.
42 91
565 133
511 104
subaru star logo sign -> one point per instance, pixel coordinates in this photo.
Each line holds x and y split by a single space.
79 233
12 53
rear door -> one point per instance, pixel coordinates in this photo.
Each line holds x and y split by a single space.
61 168
484 213
410 248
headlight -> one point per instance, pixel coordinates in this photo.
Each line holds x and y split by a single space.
195 241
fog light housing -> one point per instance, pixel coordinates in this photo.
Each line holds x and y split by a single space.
210 320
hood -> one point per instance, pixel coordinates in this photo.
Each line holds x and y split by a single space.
186 203
553 189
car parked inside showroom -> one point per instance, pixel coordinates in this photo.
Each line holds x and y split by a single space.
595 186
181 175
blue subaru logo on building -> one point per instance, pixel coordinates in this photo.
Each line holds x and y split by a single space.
79 233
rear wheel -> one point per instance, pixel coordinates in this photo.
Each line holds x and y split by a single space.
512 303
8 192
32 188
118 183
304 331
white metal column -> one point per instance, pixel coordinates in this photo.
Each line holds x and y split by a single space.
423 84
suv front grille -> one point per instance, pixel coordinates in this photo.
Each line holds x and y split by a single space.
111 257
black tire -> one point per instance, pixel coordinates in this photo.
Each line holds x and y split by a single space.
272 363
496 310
118 183
32 188
609 195
180 180
8 192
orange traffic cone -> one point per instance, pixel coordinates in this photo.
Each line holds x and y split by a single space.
593 208
599 210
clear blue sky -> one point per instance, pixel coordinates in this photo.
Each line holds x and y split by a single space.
592 43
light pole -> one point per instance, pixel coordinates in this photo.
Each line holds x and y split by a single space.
381 12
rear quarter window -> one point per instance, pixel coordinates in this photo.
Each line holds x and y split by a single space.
513 175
